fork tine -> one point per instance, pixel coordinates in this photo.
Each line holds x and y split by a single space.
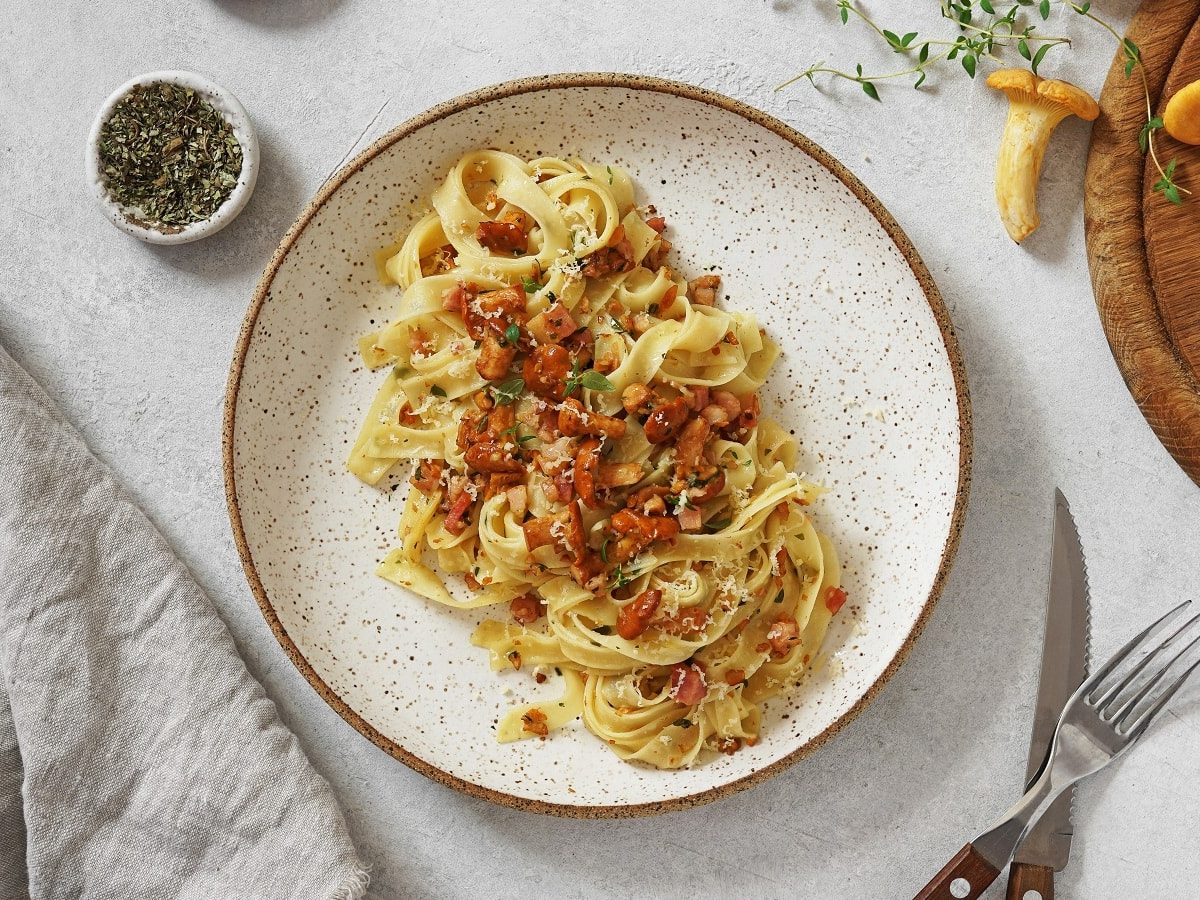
1144 691
1093 682
1143 721
1111 693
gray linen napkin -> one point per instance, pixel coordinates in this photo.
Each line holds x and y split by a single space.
138 757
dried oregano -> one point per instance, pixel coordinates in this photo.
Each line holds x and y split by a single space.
168 157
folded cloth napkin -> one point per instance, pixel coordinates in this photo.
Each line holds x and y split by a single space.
138 757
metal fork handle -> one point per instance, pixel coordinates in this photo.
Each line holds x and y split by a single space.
998 844
978 864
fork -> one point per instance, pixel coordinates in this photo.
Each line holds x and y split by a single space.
1101 720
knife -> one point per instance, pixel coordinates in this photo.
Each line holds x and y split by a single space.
1047 847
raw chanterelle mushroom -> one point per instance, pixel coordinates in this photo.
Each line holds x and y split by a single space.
1035 107
1181 118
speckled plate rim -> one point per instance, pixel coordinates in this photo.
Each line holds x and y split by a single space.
632 82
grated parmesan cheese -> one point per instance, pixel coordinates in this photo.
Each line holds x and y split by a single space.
720 690
726 584
773 550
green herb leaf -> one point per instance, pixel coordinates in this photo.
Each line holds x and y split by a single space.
1023 48
610 175
893 39
908 39
682 723
1044 9
987 7
1039 56
594 381
603 629
622 578
923 56
437 390
1166 185
968 63
508 392
526 438
844 13
1144 135
512 334
779 597
869 90
531 286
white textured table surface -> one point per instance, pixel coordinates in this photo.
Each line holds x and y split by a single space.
134 343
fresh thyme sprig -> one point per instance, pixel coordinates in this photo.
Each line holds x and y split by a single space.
973 43
984 34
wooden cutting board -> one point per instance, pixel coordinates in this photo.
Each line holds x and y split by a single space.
1144 252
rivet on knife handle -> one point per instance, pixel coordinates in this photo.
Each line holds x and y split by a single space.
1023 878
965 877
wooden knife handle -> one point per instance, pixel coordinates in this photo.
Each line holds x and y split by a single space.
965 877
1024 877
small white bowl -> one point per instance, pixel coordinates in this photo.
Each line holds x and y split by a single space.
226 104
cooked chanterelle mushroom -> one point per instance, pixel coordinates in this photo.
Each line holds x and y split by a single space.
1035 107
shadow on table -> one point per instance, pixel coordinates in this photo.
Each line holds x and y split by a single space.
1060 197
244 246
280 13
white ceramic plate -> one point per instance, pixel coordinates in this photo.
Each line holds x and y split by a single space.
870 379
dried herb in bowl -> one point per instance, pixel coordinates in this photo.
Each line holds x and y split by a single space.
168 156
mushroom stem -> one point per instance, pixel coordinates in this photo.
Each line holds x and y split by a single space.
1035 107
1019 167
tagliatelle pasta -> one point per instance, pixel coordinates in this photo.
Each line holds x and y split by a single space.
590 458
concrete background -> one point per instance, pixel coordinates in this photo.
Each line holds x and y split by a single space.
134 343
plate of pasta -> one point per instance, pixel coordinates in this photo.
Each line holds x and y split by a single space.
596 444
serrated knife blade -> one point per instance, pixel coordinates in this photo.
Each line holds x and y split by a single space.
1064 667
